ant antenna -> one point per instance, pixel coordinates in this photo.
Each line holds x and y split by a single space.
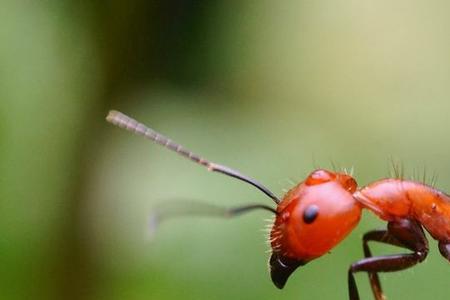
123 121
173 209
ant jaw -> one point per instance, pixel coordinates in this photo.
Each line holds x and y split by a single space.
281 267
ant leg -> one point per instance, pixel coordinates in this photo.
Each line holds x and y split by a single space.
382 236
408 234
444 248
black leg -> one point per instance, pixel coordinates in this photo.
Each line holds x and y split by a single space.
382 236
444 248
405 233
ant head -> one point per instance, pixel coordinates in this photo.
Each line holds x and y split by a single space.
312 218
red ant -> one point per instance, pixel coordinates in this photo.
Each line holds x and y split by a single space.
318 213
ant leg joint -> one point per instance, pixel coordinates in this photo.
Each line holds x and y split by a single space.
421 255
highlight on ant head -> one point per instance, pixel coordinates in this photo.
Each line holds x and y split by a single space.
320 176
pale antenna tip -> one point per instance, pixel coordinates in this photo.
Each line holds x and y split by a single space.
112 115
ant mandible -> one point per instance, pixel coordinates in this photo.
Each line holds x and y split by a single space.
318 213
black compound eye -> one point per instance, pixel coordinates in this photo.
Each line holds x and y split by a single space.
310 213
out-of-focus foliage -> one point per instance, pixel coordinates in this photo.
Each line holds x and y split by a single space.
273 89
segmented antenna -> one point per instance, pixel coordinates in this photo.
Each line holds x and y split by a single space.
185 208
123 121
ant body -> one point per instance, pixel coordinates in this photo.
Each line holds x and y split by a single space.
318 213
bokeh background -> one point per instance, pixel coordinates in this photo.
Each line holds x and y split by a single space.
274 89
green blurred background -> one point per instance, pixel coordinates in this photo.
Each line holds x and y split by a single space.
274 89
